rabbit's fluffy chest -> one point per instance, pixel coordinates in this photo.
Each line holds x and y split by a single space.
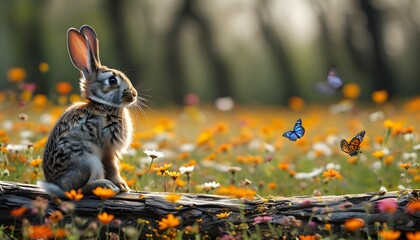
108 129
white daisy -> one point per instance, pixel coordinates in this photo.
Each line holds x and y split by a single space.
186 170
153 154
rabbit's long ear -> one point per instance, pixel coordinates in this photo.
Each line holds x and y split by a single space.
90 34
79 51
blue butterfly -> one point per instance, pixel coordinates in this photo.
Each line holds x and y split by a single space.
333 83
298 131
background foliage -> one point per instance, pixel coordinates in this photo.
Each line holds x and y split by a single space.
255 51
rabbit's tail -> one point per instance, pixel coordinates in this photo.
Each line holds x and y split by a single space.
51 189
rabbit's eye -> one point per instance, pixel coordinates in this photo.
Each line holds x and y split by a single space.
112 80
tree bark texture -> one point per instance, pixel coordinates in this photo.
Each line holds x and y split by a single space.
201 209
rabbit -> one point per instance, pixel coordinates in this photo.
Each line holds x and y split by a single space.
85 145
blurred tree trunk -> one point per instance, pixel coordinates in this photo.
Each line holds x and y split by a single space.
321 8
118 27
381 73
188 11
25 18
221 75
360 58
173 54
278 51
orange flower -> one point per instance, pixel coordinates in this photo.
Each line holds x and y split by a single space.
170 222
353 224
296 103
378 154
413 235
405 165
174 175
389 234
283 165
292 172
73 195
223 215
351 90
307 237
389 159
126 167
389 124
184 155
224 148
63 87
330 174
413 207
204 138
35 162
40 232
173 197
60 233
412 105
162 169
104 193
17 212
272 185
221 128
16 74
56 216
105 218
43 67
40 100
327 226
379 96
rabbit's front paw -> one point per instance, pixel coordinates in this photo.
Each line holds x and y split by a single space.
121 184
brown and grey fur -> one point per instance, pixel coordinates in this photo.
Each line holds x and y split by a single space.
85 145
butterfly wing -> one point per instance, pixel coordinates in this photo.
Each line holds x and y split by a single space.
299 129
345 146
334 81
353 147
324 88
291 135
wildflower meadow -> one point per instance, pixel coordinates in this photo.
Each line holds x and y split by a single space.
222 149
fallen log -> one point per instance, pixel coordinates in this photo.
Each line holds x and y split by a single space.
304 214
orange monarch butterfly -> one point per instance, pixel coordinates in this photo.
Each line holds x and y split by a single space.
352 148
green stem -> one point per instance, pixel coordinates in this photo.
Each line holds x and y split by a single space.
188 183
150 166
173 187
164 182
98 232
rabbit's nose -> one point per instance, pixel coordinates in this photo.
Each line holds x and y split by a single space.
130 94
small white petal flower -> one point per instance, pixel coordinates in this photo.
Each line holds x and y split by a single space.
376 116
312 174
376 165
408 137
26 134
416 147
224 103
46 118
5 173
153 154
333 166
186 170
383 190
7 125
187 147
211 185
269 148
